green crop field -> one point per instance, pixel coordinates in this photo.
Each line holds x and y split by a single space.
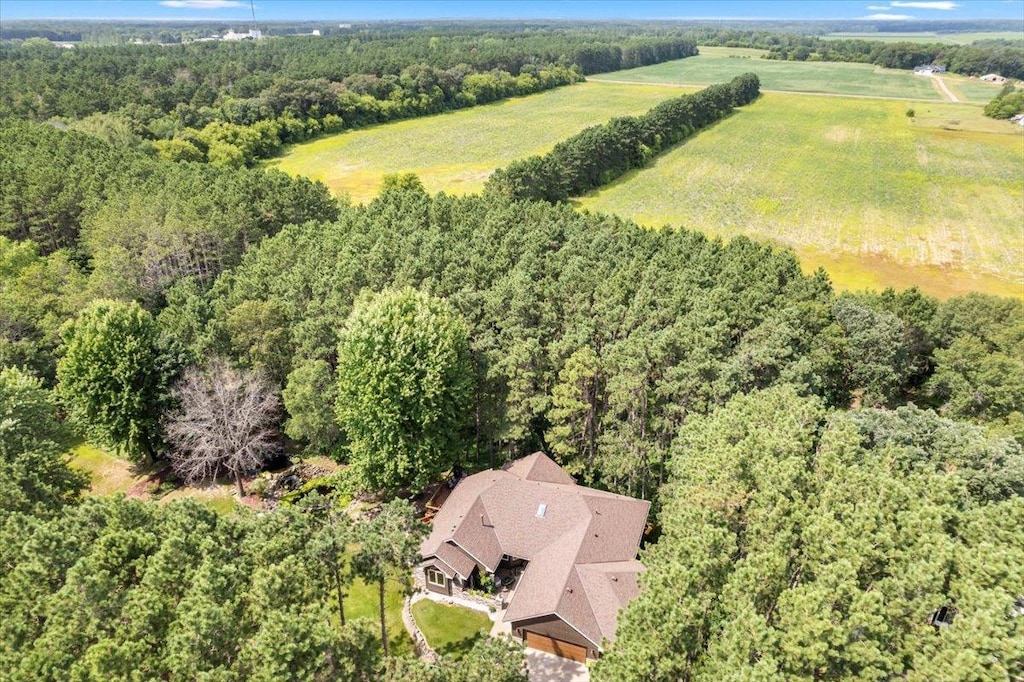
854 186
455 152
719 64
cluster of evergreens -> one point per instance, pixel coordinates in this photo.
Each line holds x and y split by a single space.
599 154
230 103
804 543
118 590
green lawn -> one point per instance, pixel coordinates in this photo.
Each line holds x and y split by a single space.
450 630
361 601
852 185
455 152
719 64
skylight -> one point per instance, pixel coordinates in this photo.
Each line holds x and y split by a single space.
541 510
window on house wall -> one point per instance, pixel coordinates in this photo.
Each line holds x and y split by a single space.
436 577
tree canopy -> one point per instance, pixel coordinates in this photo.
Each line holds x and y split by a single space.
811 544
109 377
404 382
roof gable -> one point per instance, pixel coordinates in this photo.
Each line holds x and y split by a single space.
539 467
581 549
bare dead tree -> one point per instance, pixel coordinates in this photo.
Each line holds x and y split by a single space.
225 422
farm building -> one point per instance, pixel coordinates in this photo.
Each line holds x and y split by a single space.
930 68
993 78
567 552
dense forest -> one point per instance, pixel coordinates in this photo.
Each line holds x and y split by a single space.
837 480
231 103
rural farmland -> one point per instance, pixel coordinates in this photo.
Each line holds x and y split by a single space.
855 186
455 152
850 183
719 64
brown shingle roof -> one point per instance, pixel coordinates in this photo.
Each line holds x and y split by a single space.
582 548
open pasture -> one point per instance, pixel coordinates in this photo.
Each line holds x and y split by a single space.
851 185
456 152
720 64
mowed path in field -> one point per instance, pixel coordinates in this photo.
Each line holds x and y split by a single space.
456 152
847 180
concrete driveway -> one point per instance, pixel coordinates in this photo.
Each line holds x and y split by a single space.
550 668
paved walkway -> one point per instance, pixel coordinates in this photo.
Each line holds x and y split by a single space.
550 668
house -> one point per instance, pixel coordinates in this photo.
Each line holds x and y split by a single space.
570 552
252 34
929 69
993 78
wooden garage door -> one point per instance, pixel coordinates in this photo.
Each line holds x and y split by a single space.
557 647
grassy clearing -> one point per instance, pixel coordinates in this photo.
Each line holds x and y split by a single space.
457 151
971 89
108 474
450 630
719 64
362 601
853 186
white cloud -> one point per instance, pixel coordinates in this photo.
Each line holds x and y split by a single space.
925 5
201 4
887 17
881 7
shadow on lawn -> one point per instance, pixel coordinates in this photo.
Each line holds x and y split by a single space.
461 647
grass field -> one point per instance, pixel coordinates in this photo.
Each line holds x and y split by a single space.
109 474
361 601
851 185
450 630
455 152
718 64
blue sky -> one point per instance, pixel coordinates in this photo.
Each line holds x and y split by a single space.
354 10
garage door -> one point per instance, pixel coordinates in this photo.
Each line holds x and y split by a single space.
557 647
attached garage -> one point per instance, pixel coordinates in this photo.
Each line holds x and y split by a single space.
557 647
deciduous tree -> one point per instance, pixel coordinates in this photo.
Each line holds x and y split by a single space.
109 376
404 381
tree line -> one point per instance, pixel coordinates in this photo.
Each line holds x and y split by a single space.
969 60
233 103
599 154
